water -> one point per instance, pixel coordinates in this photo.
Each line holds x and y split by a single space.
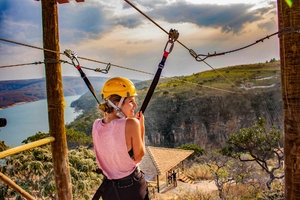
27 119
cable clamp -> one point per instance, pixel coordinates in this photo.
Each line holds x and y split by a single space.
104 71
73 56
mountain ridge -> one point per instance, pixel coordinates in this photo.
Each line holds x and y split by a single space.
203 108
14 92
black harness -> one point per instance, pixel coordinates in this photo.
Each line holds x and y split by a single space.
115 183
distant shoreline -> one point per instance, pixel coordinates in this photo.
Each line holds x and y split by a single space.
16 104
24 102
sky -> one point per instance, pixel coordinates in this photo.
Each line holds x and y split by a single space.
114 32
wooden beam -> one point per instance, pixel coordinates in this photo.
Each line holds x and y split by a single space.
68 1
16 188
63 1
25 147
55 99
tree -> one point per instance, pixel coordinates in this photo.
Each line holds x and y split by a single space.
74 138
226 171
288 19
198 151
261 145
3 147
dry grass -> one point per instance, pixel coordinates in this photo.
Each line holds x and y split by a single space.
198 172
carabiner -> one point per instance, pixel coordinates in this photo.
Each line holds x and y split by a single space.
171 47
104 71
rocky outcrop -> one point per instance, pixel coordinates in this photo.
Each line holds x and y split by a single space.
209 120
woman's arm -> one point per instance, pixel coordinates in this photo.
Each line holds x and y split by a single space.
134 129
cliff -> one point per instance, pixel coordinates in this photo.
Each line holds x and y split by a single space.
203 108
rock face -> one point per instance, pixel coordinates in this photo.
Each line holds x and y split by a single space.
209 120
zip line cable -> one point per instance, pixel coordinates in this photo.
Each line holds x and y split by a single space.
197 56
100 70
43 49
96 70
190 50
193 53
17 65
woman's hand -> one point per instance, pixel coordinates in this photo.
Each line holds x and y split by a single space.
140 116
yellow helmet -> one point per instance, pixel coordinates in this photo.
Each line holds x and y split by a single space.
118 85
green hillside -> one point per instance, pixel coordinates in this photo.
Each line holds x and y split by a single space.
202 107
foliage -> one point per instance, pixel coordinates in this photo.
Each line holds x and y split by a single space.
261 144
170 105
38 136
198 151
226 172
274 194
199 195
83 169
74 138
33 171
3 147
198 172
84 122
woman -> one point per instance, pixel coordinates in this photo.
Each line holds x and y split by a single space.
119 143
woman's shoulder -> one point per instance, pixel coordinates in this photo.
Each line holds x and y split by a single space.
97 121
132 122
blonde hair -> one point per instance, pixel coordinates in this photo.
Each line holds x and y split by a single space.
105 107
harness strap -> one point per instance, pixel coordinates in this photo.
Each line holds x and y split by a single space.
173 36
116 190
106 181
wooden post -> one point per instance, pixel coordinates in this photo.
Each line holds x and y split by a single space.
56 102
289 17
157 178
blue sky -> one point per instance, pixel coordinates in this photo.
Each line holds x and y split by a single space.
114 32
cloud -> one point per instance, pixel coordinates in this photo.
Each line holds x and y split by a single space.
16 21
231 17
112 31
150 4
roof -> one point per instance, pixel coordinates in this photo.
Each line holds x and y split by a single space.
158 160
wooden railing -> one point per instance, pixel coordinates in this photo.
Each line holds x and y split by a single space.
16 150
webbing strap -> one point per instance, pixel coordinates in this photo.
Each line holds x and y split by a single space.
87 82
151 90
72 55
173 36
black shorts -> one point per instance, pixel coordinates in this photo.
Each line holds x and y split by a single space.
132 187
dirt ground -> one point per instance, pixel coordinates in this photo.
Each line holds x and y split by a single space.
171 192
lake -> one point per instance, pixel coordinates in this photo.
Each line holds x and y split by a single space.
27 119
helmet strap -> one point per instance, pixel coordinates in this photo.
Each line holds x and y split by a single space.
120 114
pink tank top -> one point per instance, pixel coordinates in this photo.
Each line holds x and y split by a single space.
111 149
